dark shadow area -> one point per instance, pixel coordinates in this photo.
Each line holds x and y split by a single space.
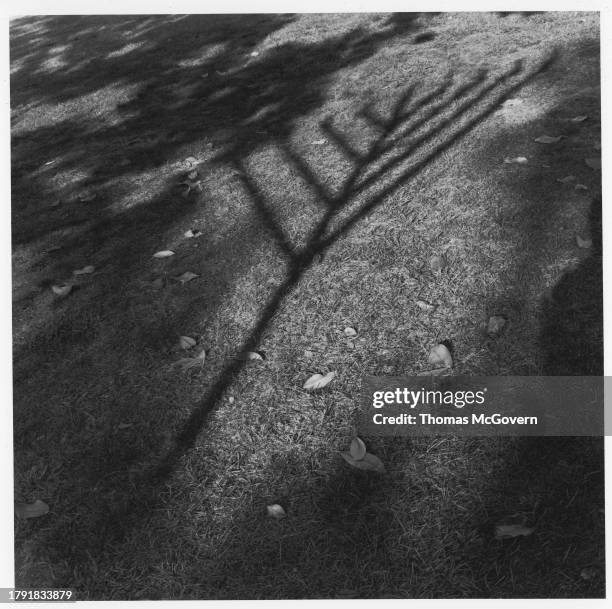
572 329
424 37
521 13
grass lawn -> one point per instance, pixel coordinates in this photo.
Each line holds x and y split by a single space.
331 157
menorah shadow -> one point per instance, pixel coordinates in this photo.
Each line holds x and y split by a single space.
417 131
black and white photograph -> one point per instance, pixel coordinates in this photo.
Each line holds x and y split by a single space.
227 226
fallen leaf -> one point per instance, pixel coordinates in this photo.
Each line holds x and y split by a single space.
31 510
440 356
192 233
231 399
579 119
62 289
508 531
566 179
588 573
193 174
190 161
581 187
254 54
495 325
251 356
186 342
163 254
369 462
519 160
187 363
425 306
318 142
584 243
350 344
348 331
187 276
593 162
276 511
437 263
318 381
358 449
125 425
86 270
308 353
548 139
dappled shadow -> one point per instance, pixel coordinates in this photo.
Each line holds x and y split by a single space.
236 106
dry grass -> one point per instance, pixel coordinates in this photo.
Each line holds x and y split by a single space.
156 479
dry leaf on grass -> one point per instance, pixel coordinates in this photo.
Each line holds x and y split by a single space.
358 449
440 356
348 331
187 363
548 139
192 175
31 510
425 306
318 381
566 179
437 263
495 325
61 289
163 254
581 187
186 342
187 276
578 119
191 185
517 160
508 531
86 270
276 511
318 142
584 243
588 573
192 233
251 356
593 162
369 462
